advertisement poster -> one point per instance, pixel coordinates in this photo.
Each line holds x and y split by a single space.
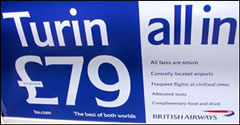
134 62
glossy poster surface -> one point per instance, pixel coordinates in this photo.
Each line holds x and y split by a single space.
145 62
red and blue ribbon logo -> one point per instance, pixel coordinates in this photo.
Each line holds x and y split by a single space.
230 113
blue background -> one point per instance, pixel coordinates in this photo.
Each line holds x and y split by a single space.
123 31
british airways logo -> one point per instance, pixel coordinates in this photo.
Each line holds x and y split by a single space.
227 113
184 117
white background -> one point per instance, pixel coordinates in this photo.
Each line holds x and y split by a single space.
222 60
